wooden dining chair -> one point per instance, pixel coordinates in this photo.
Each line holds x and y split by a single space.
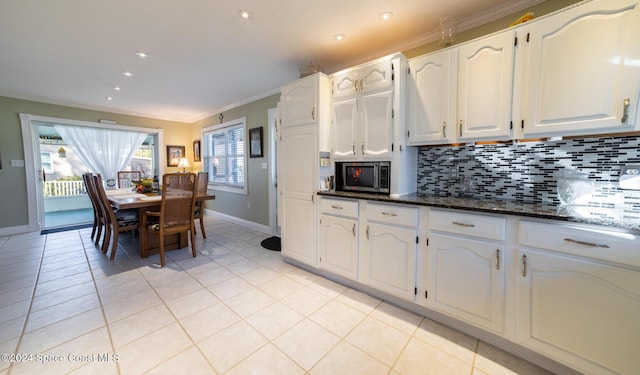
98 217
116 221
202 180
125 177
175 215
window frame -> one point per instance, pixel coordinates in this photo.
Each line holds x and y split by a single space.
225 128
47 169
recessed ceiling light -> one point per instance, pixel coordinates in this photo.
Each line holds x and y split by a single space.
128 74
108 98
339 37
142 54
386 15
244 14
117 88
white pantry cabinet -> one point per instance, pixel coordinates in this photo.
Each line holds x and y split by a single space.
389 249
430 98
583 70
485 87
579 296
338 237
467 267
304 117
297 150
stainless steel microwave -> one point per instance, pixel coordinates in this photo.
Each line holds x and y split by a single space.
369 177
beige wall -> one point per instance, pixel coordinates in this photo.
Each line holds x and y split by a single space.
254 206
13 199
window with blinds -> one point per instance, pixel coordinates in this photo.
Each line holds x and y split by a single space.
224 155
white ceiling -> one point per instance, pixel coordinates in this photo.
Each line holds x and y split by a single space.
204 58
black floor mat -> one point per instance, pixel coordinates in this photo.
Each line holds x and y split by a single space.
271 243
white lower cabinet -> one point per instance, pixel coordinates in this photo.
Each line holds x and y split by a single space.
338 237
581 311
467 275
389 249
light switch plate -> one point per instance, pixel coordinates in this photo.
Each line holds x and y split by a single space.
630 177
17 163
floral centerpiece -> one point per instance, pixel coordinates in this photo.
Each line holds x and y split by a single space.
143 185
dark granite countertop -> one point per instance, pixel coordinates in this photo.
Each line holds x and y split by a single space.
606 216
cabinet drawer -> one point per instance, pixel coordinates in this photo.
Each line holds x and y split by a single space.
481 226
341 207
589 242
394 214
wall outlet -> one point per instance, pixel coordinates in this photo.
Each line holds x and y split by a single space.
17 163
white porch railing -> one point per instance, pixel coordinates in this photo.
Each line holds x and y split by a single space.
64 188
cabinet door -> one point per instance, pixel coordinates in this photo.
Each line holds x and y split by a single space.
583 68
377 124
581 312
429 109
299 102
376 76
467 280
297 152
338 245
485 80
345 83
390 259
344 125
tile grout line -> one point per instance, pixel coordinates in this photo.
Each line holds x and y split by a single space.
28 313
95 285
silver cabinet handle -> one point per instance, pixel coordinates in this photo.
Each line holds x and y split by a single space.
464 224
362 147
367 232
590 244
389 214
497 259
336 207
444 129
354 230
524 265
313 113
313 199
353 148
461 128
625 110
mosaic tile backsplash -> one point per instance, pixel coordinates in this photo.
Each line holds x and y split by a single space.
528 171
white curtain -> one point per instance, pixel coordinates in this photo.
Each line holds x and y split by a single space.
104 151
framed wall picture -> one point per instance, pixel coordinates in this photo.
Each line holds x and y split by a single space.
196 151
174 153
255 142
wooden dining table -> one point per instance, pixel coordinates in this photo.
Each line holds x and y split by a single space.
124 199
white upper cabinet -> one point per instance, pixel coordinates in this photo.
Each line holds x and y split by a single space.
583 72
373 76
430 106
362 111
299 101
485 81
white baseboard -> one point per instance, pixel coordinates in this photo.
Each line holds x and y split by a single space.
236 220
14 230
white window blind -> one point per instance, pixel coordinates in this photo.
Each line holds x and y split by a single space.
224 155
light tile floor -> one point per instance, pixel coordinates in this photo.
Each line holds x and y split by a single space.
234 309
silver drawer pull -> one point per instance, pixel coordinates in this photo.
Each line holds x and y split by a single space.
389 214
464 224
336 207
590 244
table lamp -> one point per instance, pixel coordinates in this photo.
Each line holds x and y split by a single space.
184 164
